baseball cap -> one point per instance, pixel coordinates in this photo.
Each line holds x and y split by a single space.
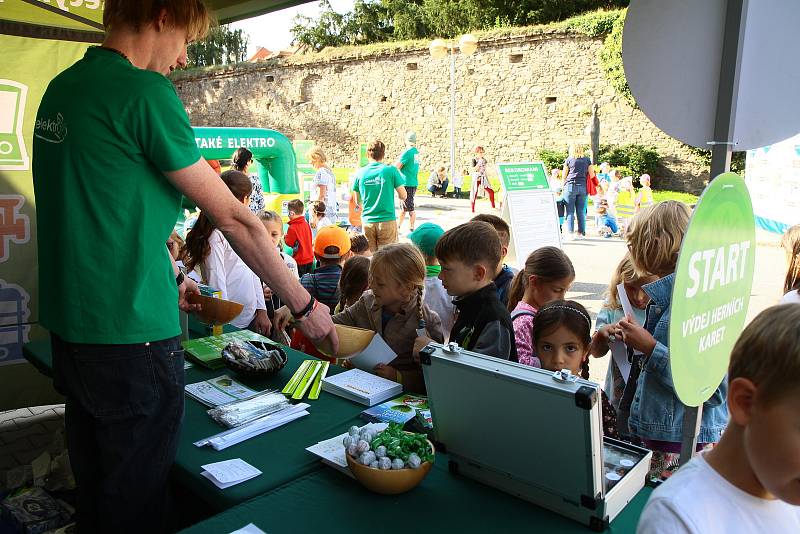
425 237
332 236
411 138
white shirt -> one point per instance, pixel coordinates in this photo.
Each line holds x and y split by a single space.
224 270
792 297
698 500
437 299
325 177
291 263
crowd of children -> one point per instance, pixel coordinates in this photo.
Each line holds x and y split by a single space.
454 286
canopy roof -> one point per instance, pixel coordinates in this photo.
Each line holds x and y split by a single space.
60 19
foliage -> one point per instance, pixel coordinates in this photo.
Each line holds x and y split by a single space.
373 21
220 47
638 159
704 157
611 60
595 23
686 198
553 159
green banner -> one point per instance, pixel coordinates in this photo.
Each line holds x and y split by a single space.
523 176
72 14
713 280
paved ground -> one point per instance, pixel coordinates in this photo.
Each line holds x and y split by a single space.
25 433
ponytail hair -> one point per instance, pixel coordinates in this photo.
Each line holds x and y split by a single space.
548 264
241 159
354 280
197 247
791 245
403 264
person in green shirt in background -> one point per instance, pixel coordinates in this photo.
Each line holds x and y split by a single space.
409 167
109 289
374 187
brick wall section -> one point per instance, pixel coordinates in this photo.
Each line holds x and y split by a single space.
504 101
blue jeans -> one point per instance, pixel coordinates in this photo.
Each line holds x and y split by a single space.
576 205
611 222
123 419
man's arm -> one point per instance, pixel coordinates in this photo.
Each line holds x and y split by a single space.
250 240
401 192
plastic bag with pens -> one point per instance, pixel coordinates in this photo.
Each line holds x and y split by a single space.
241 412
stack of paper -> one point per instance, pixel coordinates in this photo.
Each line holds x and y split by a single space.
207 351
231 437
219 391
229 473
362 387
332 452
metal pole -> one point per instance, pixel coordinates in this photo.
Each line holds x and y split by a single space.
721 149
452 113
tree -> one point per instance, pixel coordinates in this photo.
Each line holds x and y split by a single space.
220 47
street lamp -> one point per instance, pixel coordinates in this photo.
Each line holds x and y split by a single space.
439 48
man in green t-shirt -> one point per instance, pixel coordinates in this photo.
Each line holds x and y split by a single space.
374 188
113 155
408 163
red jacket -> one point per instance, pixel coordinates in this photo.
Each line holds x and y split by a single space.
298 236
591 183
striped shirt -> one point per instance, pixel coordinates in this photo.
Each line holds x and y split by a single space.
323 284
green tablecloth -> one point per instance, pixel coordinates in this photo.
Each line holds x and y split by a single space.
328 501
280 453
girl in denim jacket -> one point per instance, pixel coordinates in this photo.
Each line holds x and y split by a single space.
655 414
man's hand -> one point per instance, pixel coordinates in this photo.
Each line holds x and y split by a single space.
261 323
187 288
637 337
319 327
282 318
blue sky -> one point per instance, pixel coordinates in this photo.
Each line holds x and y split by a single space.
272 30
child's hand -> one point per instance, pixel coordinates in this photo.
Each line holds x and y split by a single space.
346 364
386 371
637 337
419 344
602 338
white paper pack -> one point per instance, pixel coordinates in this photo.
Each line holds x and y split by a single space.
377 352
229 472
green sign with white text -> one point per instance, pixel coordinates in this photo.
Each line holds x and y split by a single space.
713 280
523 176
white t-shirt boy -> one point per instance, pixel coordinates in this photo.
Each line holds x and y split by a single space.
698 500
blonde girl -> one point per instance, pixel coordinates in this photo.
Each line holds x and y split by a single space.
273 223
611 313
393 307
791 245
324 182
547 275
655 414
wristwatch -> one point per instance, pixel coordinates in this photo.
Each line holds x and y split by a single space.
180 276
305 312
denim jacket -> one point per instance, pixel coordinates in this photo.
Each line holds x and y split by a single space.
656 411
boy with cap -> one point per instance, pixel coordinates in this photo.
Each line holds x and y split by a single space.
408 163
749 482
331 248
436 298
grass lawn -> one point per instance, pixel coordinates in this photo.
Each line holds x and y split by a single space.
343 177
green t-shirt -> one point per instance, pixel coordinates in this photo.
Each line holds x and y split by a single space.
410 170
375 184
105 133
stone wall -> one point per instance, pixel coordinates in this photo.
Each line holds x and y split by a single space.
514 96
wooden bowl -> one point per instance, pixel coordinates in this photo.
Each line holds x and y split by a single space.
390 481
215 311
352 340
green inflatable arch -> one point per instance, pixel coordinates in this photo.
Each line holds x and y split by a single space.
272 151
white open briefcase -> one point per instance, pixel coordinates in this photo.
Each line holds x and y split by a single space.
532 433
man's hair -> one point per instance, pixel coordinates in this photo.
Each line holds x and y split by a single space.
376 150
470 243
768 353
501 226
296 206
190 14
